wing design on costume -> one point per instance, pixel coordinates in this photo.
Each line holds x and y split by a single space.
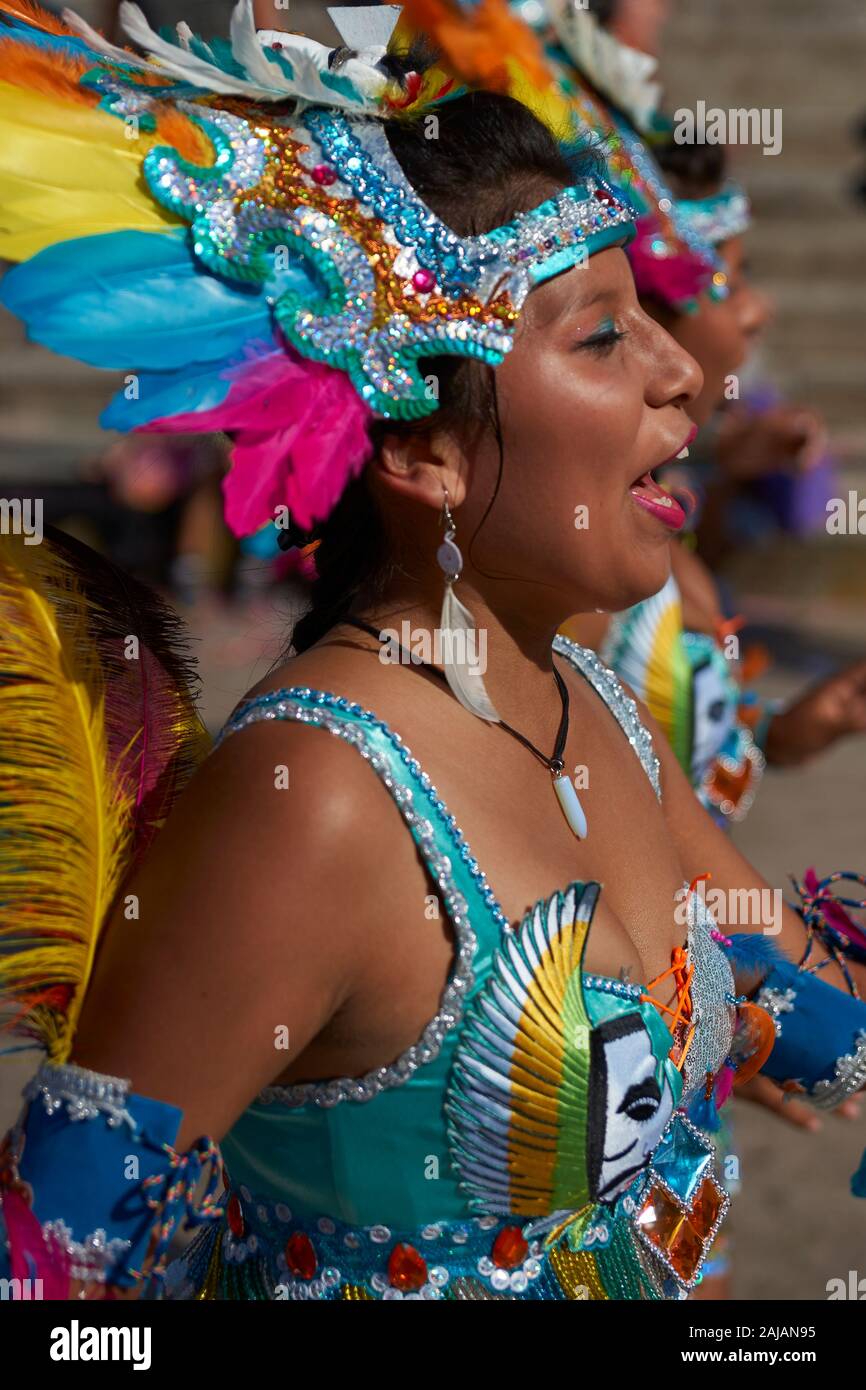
518 1102
645 648
98 732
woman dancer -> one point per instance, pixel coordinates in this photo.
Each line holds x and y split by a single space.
427 1076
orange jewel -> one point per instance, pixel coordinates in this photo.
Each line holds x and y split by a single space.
510 1248
235 1217
300 1255
407 1269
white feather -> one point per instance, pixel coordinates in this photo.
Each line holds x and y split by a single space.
187 67
466 684
264 79
309 60
80 26
248 51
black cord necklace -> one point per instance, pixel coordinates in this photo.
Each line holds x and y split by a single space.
562 785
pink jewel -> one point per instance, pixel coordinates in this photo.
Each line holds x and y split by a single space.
602 195
324 174
424 281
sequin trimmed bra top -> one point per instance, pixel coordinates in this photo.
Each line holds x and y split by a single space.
533 1142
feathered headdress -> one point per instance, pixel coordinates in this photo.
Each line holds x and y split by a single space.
226 222
598 87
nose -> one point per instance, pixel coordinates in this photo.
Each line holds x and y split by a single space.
674 377
754 311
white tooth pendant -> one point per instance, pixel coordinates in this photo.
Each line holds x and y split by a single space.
569 800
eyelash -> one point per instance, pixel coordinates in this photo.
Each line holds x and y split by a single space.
603 342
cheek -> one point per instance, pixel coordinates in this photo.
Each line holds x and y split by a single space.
573 415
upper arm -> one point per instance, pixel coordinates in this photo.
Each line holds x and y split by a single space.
216 952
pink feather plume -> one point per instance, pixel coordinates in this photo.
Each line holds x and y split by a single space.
299 432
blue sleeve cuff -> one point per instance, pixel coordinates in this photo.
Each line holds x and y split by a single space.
95 1165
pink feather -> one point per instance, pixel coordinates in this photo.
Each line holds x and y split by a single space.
834 912
31 1256
675 279
724 1085
299 434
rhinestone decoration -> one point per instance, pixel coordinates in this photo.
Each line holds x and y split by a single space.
396 283
850 1076
606 683
684 1204
712 992
718 218
90 1259
85 1094
777 1002
324 1259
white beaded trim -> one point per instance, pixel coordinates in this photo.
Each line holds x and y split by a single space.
84 1093
91 1259
607 684
850 1076
450 1011
285 704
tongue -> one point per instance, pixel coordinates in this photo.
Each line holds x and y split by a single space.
648 484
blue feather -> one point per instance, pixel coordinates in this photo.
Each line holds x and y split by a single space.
750 951
705 1115
133 300
194 387
222 56
12 27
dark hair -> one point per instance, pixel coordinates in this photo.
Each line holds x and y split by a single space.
693 171
491 159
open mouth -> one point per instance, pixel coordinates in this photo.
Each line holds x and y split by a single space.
652 497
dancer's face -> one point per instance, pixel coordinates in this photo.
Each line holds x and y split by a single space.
592 397
720 335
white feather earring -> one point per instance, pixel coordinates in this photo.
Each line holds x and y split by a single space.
458 634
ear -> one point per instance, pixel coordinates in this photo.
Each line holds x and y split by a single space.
422 465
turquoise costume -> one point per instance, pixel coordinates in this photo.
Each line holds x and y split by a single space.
328 1179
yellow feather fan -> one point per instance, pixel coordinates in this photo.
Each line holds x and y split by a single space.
65 828
94 749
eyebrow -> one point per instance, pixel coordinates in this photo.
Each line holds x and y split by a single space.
573 307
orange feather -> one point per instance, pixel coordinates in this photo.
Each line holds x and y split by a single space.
55 74
35 15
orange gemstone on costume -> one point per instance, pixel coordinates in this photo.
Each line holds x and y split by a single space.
660 1219
300 1255
686 1252
706 1208
235 1217
731 786
509 1248
407 1269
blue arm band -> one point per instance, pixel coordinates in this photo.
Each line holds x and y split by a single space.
93 1165
820 1034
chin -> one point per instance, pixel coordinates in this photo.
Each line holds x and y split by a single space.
641 583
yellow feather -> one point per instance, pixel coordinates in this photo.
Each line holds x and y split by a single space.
68 170
64 818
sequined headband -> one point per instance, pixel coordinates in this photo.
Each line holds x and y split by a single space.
399 284
317 247
720 217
